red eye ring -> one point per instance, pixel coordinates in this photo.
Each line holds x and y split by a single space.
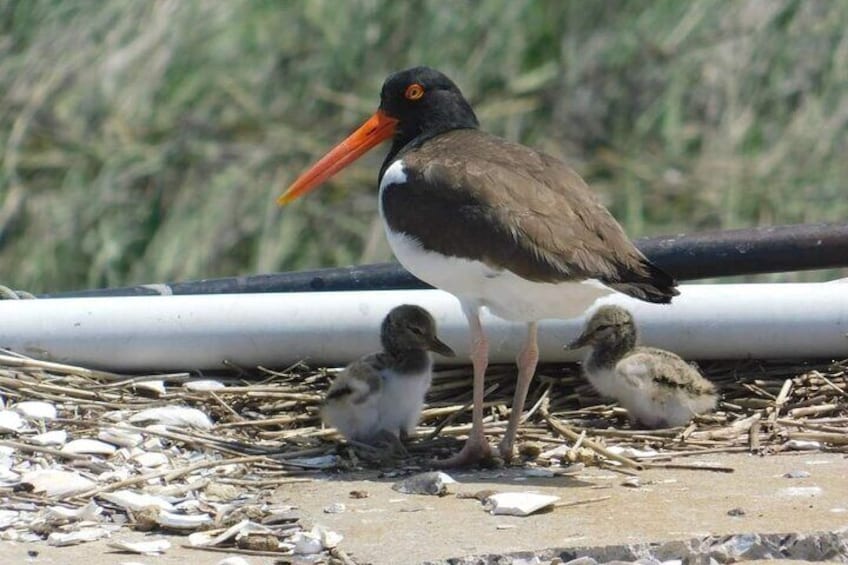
414 91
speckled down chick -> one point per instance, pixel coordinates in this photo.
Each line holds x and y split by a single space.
656 387
384 392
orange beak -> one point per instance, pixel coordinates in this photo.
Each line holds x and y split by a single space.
378 128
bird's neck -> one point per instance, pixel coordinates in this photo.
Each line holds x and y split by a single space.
605 354
411 136
407 361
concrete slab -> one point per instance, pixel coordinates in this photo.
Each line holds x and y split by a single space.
389 528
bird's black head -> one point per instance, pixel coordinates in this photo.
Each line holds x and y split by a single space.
426 103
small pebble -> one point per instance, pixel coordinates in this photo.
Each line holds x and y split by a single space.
334 508
735 512
796 475
358 494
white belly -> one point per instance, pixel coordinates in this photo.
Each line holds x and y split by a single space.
504 293
401 401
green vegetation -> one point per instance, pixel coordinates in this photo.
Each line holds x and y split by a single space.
146 141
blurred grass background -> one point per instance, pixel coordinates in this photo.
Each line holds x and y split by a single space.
146 141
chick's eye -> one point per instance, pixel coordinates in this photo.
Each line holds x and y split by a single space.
414 91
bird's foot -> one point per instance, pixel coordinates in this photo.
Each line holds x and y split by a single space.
474 451
505 450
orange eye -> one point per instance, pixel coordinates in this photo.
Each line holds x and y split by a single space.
414 91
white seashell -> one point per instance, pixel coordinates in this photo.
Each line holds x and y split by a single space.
10 421
182 521
119 437
53 482
173 416
61 539
632 451
305 543
8 477
203 385
802 445
151 460
131 500
36 410
8 518
156 387
243 528
329 539
116 416
152 547
88 512
519 503
56 437
89 447
335 508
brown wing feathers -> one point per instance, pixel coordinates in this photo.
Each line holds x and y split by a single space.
513 208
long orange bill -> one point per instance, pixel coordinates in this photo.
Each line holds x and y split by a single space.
379 127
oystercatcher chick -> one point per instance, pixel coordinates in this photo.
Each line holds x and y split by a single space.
656 387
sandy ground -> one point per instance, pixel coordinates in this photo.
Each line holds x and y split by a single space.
392 528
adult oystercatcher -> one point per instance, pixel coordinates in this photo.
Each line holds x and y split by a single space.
656 387
496 224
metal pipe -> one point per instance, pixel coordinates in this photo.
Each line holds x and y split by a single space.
687 257
797 320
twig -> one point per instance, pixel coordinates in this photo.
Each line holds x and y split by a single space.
574 436
47 450
581 502
690 467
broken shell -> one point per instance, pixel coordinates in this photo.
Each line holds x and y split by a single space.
182 521
135 501
148 459
53 482
63 514
329 539
152 547
122 438
61 539
432 483
157 388
89 447
56 437
519 503
802 445
10 421
245 527
36 409
307 544
632 452
173 416
203 385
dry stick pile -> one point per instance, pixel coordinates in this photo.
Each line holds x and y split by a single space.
264 429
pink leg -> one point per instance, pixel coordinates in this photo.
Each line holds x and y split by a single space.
476 448
526 361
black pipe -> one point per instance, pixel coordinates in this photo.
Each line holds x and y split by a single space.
687 257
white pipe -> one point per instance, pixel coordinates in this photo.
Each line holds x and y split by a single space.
201 332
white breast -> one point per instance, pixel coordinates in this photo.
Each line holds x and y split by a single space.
402 399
